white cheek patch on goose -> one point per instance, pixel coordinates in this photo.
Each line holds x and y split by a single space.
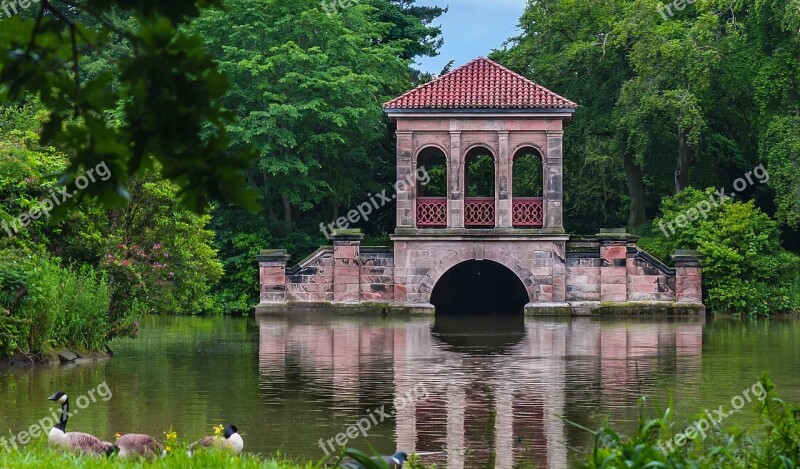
62 399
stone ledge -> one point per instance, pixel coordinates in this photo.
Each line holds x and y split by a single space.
373 308
548 309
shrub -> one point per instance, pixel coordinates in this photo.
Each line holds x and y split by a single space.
63 307
746 270
778 448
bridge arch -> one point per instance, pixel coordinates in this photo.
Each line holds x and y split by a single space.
479 287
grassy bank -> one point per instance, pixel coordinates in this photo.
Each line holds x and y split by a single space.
37 455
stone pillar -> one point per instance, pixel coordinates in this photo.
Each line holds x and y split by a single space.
347 266
613 265
688 277
455 177
553 183
502 184
406 197
272 274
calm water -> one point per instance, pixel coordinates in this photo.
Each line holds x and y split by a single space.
461 389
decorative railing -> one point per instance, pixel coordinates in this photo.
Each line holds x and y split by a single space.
528 212
479 212
431 212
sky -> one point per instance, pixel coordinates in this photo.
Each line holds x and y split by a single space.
472 28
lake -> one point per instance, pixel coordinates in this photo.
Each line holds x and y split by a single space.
474 392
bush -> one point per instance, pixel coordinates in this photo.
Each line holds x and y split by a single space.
745 270
779 448
62 308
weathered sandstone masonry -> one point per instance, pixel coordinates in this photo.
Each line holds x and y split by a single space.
606 272
465 251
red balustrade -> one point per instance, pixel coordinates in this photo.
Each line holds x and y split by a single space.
479 212
431 212
528 212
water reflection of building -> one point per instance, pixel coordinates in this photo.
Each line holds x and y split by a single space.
479 402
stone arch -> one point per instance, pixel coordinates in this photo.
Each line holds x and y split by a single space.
434 150
435 274
542 152
482 286
519 153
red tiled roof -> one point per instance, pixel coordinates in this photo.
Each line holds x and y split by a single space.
481 84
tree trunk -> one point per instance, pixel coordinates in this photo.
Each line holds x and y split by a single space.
287 213
682 170
633 173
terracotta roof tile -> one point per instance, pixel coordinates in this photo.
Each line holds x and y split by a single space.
481 84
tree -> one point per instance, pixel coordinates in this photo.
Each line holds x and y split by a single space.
166 90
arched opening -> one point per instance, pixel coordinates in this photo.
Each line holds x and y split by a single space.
479 179
527 188
431 188
479 288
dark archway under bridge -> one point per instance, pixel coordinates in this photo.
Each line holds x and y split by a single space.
479 288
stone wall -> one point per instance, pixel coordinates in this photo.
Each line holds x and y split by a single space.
420 263
608 268
616 270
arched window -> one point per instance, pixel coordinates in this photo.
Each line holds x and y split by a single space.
431 173
527 188
479 179
431 188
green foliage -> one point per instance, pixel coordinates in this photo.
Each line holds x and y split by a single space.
745 269
779 448
166 90
61 307
159 255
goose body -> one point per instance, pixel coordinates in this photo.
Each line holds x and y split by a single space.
74 441
232 441
136 445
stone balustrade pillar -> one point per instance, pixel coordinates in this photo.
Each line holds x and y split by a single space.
272 275
347 266
613 265
688 277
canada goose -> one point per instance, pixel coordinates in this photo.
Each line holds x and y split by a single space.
232 441
395 461
135 445
81 442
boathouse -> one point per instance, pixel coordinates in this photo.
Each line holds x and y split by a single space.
486 240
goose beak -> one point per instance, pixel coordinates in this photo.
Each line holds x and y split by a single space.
53 397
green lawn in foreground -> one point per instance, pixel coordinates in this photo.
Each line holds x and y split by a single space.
38 455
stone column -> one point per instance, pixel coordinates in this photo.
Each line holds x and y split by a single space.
272 273
502 183
455 177
347 266
613 265
406 197
688 277
553 183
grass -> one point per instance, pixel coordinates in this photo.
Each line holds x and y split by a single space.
38 455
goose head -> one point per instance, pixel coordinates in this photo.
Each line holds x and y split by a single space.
60 397
231 430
